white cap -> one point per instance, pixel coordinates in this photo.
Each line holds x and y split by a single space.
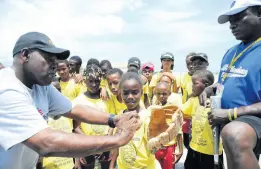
236 7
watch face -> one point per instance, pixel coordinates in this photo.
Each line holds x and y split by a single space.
111 121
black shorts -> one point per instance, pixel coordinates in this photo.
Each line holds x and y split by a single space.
255 123
197 160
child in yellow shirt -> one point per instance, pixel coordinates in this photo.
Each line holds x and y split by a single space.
166 155
147 71
115 102
135 154
186 90
69 88
91 97
105 65
201 152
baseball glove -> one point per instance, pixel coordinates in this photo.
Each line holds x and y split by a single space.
164 126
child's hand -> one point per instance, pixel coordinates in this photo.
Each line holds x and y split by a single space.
83 161
104 95
178 157
78 78
77 164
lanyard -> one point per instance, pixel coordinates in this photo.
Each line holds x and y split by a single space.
236 57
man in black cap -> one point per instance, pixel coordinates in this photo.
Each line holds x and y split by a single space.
27 99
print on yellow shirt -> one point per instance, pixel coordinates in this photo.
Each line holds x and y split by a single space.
91 129
135 154
202 135
63 124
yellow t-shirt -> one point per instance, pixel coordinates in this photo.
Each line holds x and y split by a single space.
145 89
104 83
70 89
63 124
202 135
91 129
114 106
150 93
135 154
155 79
186 86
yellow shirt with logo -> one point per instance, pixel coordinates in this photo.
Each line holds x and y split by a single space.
70 89
135 154
63 124
114 106
186 86
202 135
91 129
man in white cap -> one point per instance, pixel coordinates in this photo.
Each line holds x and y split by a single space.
239 85
27 99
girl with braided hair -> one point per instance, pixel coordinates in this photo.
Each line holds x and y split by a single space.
91 97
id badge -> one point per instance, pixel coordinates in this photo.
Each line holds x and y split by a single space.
220 89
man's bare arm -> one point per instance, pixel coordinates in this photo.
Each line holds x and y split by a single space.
88 115
51 142
220 116
254 110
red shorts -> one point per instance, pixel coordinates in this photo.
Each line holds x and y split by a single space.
186 126
166 157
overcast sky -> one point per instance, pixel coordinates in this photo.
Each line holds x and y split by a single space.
119 29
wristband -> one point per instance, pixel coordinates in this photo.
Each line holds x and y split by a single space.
235 112
229 115
111 121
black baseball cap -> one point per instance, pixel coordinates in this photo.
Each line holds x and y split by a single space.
36 40
199 55
134 61
167 55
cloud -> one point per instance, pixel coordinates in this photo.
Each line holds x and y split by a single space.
167 16
115 29
64 21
